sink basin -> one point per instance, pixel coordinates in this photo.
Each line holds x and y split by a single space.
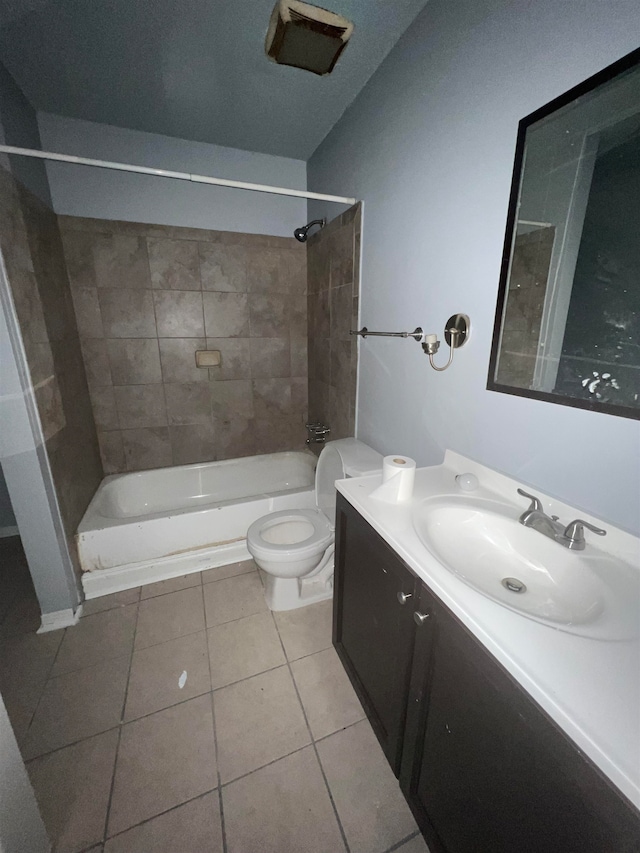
482 542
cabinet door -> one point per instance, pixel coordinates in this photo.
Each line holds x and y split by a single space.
372 629
489 771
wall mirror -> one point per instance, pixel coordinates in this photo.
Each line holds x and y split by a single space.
567 324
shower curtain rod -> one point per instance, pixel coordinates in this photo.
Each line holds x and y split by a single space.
167 173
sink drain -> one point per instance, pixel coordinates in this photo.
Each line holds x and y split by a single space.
513 585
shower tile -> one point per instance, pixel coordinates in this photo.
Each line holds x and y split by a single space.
232 397
168 616
226 314
271 398
342 318
179 314
297 315
263 270
270 358
282 808
234 437
78 255
121 261
318 307
269 315
342 356
235 358
223 267
112 452
148 447
341 244
154 682
87 311
134 361
257 721
233 598
127 313
96 363
188 403
174 264
194 827
178 359
176 744
78 705
299 355
72 787
327 696
193 443
300 398
103 403
278 434
140 406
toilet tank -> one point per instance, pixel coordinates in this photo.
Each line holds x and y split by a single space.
346 457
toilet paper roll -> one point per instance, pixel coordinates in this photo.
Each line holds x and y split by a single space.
398 474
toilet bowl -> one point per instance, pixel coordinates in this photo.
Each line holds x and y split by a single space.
294 548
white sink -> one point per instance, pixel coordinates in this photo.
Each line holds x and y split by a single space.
482 542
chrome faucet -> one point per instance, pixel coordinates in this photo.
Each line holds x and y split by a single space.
318 432
571 536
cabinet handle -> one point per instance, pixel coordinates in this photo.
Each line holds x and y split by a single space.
403 597
420 618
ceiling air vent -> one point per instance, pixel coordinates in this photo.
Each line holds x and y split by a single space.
306 36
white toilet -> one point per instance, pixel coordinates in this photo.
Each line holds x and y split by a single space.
295 547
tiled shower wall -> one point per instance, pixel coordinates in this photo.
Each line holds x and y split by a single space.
36 272
146 298
333 274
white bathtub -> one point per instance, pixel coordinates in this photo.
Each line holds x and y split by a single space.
154 525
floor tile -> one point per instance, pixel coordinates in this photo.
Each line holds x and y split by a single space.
257 721
233 569
192 828
154 682
371 807
233 598
163 761
172 585
306 630
97 638
109 602
415 845
23 617
72 788
243 648
328 698
78 705
169 616
282 808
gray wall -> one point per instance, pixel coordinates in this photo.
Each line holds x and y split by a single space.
103 194
429 146
19 127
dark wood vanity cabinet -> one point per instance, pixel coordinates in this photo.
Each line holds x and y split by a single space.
483 768
372 629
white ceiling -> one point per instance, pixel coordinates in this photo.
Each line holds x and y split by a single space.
194 69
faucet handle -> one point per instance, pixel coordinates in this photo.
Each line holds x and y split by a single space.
574 531
536 503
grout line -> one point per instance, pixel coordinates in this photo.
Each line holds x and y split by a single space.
313 744
153 817
47 679
120 727
403 841
215 742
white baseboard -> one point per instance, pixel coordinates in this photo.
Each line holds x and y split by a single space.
5 532
106 581
59 619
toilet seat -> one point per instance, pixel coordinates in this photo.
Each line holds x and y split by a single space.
320 537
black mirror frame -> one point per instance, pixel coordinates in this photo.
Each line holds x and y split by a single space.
620 66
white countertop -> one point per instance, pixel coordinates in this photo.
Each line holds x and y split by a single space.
591 688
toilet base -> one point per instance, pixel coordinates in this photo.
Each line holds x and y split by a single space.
284 593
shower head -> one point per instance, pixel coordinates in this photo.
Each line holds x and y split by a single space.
301 234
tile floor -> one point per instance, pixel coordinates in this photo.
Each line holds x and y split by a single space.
264 747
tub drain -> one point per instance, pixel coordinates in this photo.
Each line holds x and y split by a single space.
513 585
